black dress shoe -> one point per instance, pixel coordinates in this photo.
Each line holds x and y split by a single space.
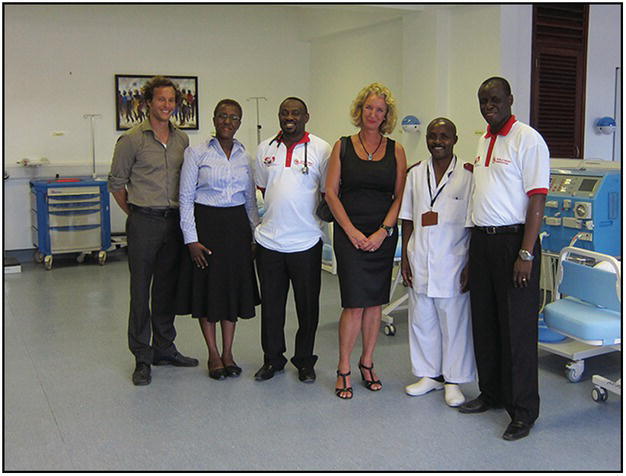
517 430
177 360
233 370
266 372
478 405
141 375
306 374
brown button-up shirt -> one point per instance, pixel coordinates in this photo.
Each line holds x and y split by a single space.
149 170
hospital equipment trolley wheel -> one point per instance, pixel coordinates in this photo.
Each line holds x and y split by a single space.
102 257
574 370
38 257
47 262
599 394
390 330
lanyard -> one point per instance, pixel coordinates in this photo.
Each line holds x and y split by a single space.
430 193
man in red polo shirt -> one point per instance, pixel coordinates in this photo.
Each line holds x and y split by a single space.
511 179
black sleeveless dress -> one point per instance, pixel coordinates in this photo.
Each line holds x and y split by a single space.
367 192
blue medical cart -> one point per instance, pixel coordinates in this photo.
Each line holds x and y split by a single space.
70 215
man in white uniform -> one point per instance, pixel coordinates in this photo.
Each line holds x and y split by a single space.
290 171
511 179
435 243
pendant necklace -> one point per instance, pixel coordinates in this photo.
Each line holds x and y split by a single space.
370 156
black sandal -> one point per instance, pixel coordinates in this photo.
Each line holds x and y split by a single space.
339 391
368 383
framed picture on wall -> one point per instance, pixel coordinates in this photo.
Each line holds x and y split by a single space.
131 109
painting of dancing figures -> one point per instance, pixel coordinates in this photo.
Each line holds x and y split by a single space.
131 108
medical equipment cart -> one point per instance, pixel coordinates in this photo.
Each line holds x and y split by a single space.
583 206
70 215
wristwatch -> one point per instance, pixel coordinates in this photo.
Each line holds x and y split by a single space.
525 255
388 229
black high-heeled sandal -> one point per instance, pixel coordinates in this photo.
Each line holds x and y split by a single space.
345 389
368 383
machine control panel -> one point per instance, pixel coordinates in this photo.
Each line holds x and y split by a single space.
586 203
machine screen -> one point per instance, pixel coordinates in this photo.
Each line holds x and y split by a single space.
587 185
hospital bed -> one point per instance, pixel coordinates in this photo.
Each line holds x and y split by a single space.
588 306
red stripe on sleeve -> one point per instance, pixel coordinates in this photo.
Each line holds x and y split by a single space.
537 191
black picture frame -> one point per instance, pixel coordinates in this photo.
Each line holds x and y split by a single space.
130 108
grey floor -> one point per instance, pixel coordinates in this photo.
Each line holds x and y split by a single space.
69 403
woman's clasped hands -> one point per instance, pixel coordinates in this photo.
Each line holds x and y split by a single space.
367 243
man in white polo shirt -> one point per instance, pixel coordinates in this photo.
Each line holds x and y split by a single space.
511 179
290 171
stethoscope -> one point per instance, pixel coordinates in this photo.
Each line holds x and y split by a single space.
305 169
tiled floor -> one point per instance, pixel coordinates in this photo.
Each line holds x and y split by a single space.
69 403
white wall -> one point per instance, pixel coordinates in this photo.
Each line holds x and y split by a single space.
425 74
60 62
603 56
516 54
475 56
432 57
343 63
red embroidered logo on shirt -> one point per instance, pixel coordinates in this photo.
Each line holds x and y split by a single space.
469 167
499 160
269 160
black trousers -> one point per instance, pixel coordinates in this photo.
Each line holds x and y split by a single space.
154 247
504 323
276 270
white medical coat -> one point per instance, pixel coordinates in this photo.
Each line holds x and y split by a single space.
438 253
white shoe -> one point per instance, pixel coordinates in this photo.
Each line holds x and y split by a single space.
425 385
453 395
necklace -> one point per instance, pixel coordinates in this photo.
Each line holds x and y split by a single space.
370 156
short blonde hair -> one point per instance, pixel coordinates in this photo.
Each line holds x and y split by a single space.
382 91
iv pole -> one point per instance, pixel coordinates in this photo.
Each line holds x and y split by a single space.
91 117
258 123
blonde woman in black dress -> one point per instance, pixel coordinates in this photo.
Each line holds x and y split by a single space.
364 188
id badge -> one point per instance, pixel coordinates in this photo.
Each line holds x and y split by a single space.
429 218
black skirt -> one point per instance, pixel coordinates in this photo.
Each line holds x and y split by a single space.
364 277
227 288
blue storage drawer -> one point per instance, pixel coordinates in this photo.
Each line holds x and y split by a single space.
70 215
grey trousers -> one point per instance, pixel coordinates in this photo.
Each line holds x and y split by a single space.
154 247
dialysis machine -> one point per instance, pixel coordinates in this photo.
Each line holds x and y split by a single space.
586 203
583 206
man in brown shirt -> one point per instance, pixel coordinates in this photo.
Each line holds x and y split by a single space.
144 181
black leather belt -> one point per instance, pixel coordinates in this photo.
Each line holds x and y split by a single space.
158 212
497 230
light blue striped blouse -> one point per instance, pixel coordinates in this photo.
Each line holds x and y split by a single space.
208 177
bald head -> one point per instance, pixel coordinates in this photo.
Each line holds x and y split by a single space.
506 87
443 121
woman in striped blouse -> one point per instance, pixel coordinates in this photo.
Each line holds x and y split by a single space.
218 214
